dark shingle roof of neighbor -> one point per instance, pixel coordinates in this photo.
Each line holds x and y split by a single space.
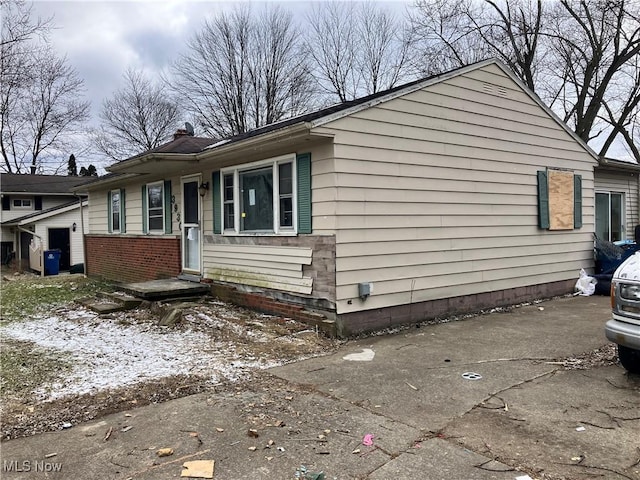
40 184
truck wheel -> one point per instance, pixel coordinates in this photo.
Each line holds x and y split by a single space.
629 358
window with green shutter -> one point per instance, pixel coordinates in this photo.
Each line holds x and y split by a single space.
156 207
115 211
271 196
559 200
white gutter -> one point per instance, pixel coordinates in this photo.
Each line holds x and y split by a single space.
277 134
134 162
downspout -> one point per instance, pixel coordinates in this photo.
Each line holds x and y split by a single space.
22 229
84 247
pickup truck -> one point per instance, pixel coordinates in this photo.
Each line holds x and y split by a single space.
624 327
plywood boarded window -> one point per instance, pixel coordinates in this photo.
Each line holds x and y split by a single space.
559 200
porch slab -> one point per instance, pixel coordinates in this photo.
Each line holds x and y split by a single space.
165 288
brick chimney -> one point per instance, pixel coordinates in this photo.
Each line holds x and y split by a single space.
181 132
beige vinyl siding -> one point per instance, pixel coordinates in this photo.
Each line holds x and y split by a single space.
133 209
99 210
98 220
627 183
323 189
277 268
436 194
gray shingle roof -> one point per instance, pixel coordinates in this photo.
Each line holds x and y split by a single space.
40 184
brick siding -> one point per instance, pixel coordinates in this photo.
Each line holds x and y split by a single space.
263 303
348 324
126 259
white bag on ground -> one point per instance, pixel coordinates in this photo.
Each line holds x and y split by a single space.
586 285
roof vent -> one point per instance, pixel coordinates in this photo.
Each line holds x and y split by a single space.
494 89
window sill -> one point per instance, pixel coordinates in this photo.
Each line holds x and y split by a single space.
259 234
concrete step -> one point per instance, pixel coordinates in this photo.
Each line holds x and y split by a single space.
104 302
128 301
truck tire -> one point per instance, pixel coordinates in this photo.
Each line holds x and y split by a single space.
629 358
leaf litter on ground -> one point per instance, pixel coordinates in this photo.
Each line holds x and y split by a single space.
90 364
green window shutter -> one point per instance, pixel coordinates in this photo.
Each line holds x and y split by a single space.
123 211
303 162
168 227
145 213
577 201
109 216
543 200
217 202
38 202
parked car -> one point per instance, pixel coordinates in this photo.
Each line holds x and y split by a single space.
624 327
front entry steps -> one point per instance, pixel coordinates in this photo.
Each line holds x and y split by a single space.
132 295
169 288
111 302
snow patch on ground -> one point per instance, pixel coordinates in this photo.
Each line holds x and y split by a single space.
108 354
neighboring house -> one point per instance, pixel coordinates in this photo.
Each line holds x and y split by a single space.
617 208
453 193
40 211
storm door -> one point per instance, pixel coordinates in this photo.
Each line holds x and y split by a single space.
191 225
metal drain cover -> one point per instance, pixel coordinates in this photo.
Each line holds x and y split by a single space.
471 376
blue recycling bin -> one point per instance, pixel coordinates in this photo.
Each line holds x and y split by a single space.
51 262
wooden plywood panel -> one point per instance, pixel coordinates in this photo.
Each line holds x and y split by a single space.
561 200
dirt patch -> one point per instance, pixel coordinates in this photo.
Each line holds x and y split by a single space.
64 364
600 357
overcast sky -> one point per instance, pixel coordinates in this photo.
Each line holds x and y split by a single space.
102 39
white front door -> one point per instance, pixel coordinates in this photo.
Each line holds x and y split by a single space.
191 225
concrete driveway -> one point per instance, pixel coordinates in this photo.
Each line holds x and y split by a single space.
520 411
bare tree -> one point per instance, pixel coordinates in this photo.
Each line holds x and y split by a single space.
596 45
242 71
385 48
444 35
332 43
40 105
579 56
357 49
138 117
466 31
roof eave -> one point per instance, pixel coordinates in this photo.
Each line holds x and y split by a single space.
130 166
31 218
103 183
398 93
612 164
292 132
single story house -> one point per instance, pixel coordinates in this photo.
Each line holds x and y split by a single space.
40 211
452 193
